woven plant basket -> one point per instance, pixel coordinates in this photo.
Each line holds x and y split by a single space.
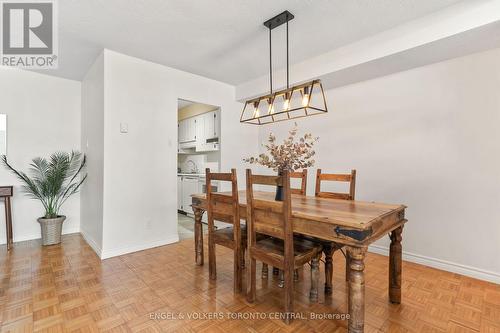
51 229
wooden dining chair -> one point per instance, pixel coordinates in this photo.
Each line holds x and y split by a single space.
303 182
274 218
349 178
330 247
225 208
301 191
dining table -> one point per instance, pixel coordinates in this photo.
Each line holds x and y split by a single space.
348 223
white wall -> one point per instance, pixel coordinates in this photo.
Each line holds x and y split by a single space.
140 167
427 138
43 116
92 140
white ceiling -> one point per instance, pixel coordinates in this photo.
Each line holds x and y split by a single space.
220 39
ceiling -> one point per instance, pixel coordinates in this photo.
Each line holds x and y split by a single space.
220 39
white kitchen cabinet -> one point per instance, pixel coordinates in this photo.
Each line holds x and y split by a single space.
187 130
189 186
208 132
181 131
179 193
201 132
211 125
191 132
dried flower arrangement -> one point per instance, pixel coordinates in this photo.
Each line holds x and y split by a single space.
291 155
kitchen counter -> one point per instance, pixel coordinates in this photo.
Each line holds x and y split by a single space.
191 174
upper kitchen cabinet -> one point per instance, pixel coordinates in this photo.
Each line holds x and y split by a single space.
201 132
211 125
187 130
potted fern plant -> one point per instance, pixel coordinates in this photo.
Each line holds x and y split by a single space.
52 181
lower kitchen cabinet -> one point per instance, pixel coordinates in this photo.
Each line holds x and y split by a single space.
179 192
189 186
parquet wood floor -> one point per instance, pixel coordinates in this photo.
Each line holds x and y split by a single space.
66 288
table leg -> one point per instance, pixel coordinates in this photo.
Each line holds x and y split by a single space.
198 235
328 250
395 261
356 297
8 223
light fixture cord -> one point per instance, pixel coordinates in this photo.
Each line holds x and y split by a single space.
270 62
287 66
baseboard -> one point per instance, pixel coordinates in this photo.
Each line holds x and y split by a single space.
92 243
24 238
448 266
105 254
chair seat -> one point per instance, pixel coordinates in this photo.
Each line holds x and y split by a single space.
304 251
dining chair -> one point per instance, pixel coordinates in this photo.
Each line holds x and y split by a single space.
274 218
330 247
349 178
301 191
225 208
303 182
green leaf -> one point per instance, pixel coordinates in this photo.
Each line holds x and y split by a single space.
52 181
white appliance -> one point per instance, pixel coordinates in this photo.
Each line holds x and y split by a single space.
189 185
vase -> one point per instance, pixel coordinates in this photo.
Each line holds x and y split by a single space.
279 190
51 229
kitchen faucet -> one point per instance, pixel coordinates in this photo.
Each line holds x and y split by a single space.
194 168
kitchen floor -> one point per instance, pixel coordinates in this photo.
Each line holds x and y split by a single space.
186 226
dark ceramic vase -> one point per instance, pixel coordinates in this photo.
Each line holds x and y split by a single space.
279 190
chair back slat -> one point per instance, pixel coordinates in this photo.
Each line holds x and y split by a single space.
271 218
303 182
221 176
336 177
267 180
219 197
350 178
222 217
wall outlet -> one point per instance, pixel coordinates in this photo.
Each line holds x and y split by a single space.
123 127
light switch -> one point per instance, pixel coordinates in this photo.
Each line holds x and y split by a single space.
123 127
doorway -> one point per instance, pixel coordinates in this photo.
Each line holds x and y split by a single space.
199 140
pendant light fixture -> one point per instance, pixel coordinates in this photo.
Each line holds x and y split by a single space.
302 100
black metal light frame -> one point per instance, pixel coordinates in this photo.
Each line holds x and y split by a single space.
286 95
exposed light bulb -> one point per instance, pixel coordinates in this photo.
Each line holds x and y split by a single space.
256 112
305 98
286 102
271 106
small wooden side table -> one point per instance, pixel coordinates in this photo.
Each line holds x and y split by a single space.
6 192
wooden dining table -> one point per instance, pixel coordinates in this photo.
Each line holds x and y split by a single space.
353 224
